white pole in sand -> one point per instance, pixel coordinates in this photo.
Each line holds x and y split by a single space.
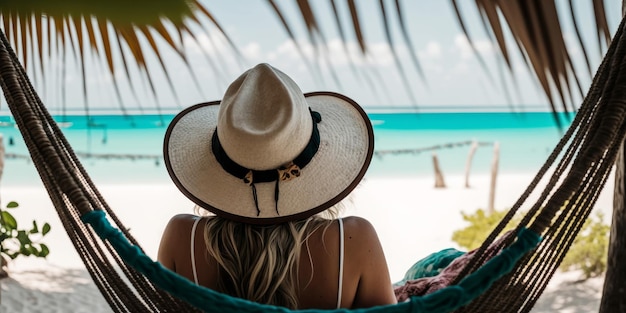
439 182
494 175
468 163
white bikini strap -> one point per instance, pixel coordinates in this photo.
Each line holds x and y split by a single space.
341 256
193 250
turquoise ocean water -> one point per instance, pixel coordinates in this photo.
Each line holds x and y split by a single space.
525 141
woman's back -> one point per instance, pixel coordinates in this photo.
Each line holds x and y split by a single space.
266 159
365 280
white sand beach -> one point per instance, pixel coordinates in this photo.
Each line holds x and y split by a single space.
413 219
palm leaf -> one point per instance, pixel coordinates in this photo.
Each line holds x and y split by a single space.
313 30
95 27
394 53
536 29
118 12
292 36
534 25
351 62
407 40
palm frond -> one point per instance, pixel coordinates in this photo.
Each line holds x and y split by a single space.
292 36
121 32
394 53
407 39
537 31
94 28
118 12
534 26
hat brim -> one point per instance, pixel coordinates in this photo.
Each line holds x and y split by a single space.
345 151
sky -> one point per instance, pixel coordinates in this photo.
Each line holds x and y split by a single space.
452 77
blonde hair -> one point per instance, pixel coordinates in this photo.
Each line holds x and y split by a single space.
260 263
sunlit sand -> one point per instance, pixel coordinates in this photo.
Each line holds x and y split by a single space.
412 218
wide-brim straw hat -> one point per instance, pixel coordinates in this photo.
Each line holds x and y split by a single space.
317 145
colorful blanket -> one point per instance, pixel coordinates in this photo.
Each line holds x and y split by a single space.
438 270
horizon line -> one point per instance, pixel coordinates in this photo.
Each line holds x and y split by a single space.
377 109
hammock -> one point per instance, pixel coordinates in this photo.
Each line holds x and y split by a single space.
131 282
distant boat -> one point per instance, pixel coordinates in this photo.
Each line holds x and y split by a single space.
65 124
7 124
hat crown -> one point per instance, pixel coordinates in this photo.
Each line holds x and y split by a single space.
264 120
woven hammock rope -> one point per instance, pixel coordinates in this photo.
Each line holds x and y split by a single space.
585 157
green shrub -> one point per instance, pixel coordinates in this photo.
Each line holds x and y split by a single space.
480 226
15 242
588 252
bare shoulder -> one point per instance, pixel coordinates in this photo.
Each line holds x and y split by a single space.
360 236
366 260
359 226
181 221
356 221
175 234
177 225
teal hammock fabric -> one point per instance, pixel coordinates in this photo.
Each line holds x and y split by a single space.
443 300
431 265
